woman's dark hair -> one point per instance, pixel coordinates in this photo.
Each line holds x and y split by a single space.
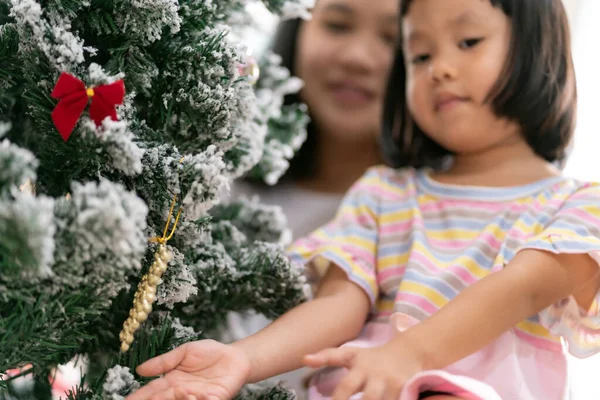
536 89
284 44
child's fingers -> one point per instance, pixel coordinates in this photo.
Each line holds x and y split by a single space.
341 357
162 364
393 389
349 385
314 360
147 391
375 390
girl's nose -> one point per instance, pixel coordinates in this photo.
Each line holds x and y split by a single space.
441 69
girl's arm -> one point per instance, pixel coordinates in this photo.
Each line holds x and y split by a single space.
211 370
334 317
532 281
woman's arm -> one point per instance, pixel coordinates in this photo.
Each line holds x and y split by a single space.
334 317
532 281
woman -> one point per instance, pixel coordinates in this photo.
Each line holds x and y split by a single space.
343 55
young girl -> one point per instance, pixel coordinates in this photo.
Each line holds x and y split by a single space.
473 263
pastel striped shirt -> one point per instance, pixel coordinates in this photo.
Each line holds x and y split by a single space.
412 244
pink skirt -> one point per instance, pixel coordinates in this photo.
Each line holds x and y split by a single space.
507 369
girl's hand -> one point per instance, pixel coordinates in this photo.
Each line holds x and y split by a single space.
202 370
378 372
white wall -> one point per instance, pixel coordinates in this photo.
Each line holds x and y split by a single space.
572 7
584 162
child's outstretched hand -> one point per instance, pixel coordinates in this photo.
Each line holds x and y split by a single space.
378 372
202 370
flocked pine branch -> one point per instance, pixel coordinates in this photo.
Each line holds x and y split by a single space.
290 8
286 123
76 215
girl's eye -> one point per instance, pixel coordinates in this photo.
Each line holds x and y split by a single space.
420 59
337 27
389 38
468 43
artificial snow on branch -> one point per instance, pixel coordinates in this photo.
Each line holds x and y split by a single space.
79 206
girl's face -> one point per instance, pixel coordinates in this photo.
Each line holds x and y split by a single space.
454 52
344 54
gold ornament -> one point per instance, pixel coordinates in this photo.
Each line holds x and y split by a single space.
145 294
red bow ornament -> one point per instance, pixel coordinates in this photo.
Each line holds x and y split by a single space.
73 97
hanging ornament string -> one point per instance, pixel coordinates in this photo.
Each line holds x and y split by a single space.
146 291
73 96
164 238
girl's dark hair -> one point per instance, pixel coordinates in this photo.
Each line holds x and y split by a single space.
303 164
536 89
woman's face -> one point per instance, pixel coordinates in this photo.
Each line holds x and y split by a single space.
344 55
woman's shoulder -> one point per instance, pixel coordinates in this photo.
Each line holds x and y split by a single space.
386 172
385 181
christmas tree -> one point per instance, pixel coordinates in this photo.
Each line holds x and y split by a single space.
121 124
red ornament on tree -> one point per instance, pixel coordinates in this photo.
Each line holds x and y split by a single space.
73 97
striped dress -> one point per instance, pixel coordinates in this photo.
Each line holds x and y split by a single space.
412 244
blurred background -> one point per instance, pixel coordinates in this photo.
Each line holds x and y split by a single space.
584 162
